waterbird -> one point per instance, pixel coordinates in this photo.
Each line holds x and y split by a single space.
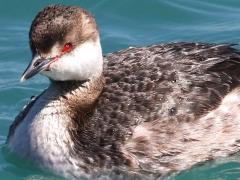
141 112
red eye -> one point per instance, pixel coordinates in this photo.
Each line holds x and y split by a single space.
67 47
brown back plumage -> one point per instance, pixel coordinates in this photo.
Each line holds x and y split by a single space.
161 109
159 89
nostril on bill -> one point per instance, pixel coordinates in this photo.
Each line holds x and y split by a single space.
37 63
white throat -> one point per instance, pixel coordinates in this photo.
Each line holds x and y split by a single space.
84 62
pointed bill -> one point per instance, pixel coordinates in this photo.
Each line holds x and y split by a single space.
37 65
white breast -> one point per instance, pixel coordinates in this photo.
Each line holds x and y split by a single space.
42 137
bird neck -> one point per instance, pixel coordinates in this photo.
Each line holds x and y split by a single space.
78 93
68 86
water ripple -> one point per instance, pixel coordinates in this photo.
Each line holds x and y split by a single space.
122 24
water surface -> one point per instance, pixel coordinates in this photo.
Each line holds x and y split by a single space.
122 24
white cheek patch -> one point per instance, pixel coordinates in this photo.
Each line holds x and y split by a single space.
84 62
55 50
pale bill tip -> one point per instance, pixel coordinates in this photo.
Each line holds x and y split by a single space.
22 79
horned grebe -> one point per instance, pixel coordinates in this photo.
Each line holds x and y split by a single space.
139 112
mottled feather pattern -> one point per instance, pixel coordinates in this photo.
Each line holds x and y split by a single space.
156 88
160 109
169 80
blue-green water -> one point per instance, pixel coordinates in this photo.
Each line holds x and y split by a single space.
122 23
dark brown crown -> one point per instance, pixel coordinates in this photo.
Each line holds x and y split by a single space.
62 24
